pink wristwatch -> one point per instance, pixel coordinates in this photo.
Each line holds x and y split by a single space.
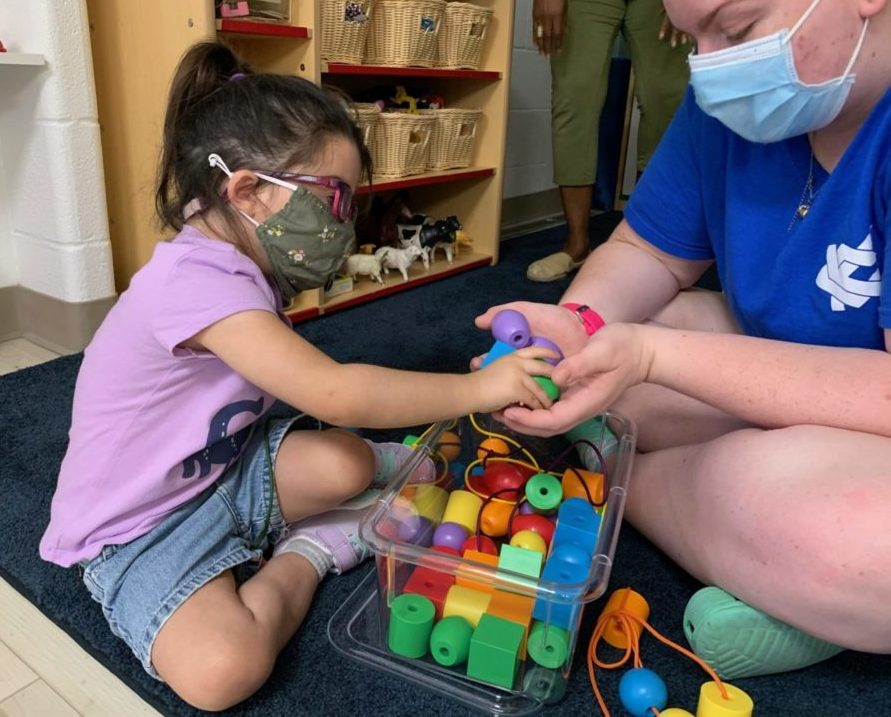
590 319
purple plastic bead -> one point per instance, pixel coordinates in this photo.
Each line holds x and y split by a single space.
526 508
550 345
416 529
511 327
450 535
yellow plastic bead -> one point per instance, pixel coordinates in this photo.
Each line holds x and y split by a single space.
463 508
675 712
430 501
530 541
631 601
466 602
712 704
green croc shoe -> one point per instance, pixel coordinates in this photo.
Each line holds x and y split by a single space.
737 640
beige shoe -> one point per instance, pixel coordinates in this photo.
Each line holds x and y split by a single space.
554 266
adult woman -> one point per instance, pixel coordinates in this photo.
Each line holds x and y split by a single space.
765 412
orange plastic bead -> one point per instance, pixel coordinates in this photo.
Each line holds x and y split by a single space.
449 445
492 448
573 488
630 601
494 518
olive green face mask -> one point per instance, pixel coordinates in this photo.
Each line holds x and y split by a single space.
305 245
304 242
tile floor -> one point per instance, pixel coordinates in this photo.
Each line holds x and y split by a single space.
43 672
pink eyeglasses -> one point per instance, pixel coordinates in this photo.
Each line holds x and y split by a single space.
343 204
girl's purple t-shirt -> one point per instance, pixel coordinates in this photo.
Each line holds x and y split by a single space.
154 425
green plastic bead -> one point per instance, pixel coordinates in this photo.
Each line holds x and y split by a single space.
549 386
494 650
410 440
411 621
450 640
548 645
544 492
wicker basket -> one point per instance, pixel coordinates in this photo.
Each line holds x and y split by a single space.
453 138
401 143
367 114
345 30
462 36
404 33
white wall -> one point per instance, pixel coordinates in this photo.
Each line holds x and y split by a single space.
53 221
529 166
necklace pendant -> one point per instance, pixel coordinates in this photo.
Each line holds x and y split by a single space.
802 211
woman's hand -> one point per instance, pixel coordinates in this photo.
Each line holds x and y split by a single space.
546 320
548 18
670 32
614 359
510 380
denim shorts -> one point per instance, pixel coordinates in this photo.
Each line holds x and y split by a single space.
230 526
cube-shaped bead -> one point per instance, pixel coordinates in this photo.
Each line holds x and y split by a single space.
513 607
463 574
494 651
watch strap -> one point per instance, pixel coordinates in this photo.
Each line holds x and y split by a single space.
590 319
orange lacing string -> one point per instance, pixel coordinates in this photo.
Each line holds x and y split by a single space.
626 618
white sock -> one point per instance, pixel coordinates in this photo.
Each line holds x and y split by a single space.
317 556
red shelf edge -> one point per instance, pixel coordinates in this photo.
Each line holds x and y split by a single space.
387 185
339 69
306 314
267 29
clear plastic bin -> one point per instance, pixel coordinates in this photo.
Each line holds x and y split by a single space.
501 637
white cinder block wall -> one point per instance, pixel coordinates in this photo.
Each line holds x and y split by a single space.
53 222
529 167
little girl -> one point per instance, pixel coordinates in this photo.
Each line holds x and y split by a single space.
173 478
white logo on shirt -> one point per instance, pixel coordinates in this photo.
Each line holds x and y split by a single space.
835 277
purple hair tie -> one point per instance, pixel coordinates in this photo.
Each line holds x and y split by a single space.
237 76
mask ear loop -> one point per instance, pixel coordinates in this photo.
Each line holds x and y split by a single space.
216 161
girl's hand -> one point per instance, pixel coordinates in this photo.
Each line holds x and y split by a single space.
614 359
669 31
510 380
548 22
553 322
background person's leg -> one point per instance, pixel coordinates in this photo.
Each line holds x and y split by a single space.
579 79
661 73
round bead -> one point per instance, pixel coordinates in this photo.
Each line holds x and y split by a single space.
544 343
675 712
492 447
449 445
536 523
416 529
546 686
503 476
480 543
450 640
450 535
543 492
526 509
528 540
640 690
510 327
411 621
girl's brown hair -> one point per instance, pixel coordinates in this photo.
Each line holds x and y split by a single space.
253 121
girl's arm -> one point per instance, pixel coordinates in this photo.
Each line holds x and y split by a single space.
259 346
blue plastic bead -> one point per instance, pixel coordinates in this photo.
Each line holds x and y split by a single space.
640 690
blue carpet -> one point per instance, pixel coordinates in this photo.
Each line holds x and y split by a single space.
429 327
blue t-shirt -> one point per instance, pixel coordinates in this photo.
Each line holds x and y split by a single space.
709 194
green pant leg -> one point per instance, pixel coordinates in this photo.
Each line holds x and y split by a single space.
579 76
661 73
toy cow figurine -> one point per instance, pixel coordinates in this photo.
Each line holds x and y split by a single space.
399 259
365 264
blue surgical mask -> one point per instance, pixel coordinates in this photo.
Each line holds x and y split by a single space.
754 90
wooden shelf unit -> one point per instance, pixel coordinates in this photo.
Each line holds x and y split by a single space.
132 94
